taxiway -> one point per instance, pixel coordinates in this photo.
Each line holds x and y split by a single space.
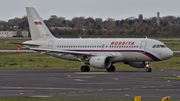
90 85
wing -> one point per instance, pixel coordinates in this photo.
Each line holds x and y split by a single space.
81 56
61 51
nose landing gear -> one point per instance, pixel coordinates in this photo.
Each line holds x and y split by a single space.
148 69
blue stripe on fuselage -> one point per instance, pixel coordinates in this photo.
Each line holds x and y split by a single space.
151 56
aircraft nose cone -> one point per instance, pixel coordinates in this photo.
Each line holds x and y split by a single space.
167 54
170 54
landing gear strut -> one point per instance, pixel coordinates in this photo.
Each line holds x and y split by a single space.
148 69
112 68
85 68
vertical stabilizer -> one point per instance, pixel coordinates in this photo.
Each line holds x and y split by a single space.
37 27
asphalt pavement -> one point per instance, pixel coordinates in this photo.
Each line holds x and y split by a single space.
88 85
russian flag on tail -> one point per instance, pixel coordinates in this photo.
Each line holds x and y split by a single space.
37 22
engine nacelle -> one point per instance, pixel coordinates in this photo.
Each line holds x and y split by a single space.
136 64
100 61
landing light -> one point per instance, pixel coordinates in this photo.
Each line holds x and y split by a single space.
147 65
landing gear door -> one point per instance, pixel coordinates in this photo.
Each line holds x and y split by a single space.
50 44
143 46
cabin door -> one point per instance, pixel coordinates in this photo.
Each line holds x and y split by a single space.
102 47
143 46
50 44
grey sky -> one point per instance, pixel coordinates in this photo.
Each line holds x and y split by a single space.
117 9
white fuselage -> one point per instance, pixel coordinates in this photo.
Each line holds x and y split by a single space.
121 49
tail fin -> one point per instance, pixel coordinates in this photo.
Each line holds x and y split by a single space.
37 27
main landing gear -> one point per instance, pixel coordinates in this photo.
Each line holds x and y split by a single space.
148 69
85 68
112 68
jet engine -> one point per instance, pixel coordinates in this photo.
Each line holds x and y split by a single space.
100 61
136 64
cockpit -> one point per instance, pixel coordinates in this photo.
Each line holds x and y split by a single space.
159 46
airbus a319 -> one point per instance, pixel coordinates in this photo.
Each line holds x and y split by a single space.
100 53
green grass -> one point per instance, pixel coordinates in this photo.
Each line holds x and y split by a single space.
170 64
168 78
172 44
4 43
36 61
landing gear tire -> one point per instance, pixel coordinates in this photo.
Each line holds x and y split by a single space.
148 69
112 68
85 68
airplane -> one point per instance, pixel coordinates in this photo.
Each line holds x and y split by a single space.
100 53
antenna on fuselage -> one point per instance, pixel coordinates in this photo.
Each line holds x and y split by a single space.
146 37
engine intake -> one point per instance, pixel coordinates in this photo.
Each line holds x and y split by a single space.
100 61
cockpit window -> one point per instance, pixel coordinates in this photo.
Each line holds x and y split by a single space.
159 46
163 46
154 46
